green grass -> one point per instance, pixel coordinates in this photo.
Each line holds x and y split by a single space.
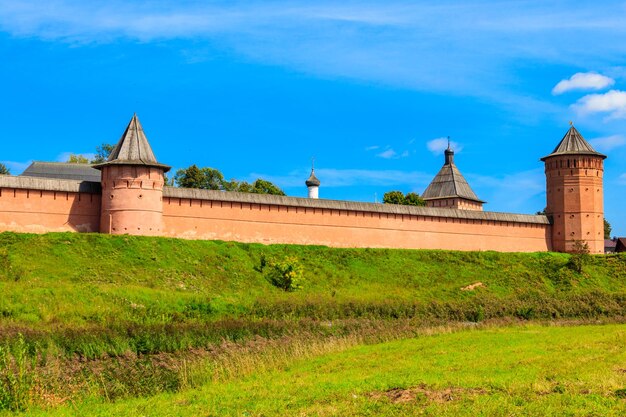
93 295
90 318
508 371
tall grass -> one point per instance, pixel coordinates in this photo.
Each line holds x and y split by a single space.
17 371
58 379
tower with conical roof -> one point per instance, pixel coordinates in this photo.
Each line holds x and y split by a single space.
132 186
574 193
449 189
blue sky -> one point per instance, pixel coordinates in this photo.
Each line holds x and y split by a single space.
370 89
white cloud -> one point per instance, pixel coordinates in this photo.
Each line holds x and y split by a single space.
372 148
622 179
583 81
362 40
16 168
349 177
608 143
438 145
388 154
612 102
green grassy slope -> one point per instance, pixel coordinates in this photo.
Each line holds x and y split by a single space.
89 288
519 371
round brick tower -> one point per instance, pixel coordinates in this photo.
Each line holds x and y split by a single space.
132 186
574 194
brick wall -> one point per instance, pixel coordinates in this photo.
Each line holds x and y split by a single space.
269 219
40 211
43 205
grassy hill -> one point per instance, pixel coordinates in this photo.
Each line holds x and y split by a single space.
115 309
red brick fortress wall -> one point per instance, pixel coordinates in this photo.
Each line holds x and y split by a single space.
40 205
43 205
202 214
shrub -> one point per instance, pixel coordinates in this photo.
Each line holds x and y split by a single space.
475 315
526 313
579 256
285 274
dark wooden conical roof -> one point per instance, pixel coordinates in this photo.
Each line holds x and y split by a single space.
133 148
573 143
449 183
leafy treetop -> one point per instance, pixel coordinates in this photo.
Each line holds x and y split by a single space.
102 154
77 159
212 179
607 229
397 197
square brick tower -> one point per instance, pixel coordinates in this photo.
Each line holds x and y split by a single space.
574 193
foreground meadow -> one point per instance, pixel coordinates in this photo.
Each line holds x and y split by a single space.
129 325
495 371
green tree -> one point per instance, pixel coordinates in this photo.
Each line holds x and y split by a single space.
189 177
77 159
102 153
168 182
607 229
4 170
410 199
261 186
244 187
212 179
413 199
204 178
232 185
394 197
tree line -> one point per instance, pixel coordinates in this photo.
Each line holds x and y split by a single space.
212 179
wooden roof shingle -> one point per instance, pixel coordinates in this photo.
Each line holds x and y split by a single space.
573 143
133 148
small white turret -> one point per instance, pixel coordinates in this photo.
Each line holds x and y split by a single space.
313 184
